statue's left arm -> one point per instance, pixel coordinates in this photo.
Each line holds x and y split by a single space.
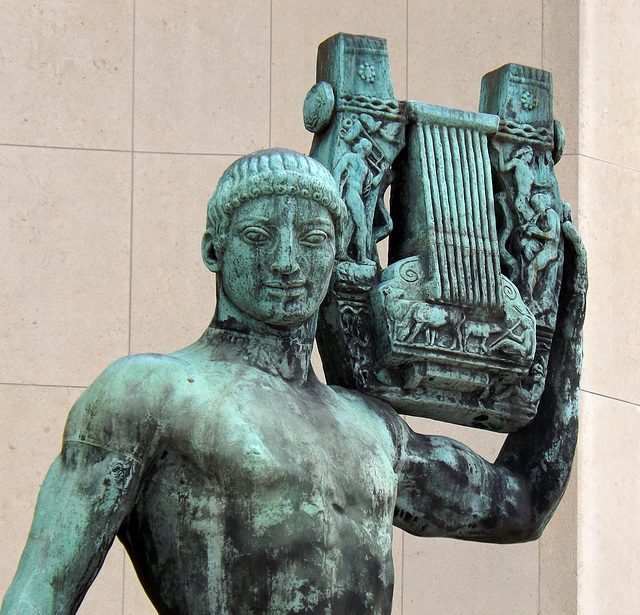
445 489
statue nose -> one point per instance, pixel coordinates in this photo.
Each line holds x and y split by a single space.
284 259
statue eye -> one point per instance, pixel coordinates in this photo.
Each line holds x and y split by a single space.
256 235
314 238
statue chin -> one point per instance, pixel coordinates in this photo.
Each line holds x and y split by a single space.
283 321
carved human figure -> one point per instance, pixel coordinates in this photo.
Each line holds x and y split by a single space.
350 129
546 230
537 241
352 173
237 481
512 342
520 164
531 389
537 227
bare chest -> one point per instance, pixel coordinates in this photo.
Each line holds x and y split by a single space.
278 485
270 443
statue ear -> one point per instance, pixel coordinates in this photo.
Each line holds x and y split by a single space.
209 252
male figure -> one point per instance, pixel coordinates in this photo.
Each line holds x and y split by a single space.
520 164
546 230
351 174
241 484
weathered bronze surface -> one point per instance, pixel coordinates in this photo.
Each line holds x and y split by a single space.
459 327
237 481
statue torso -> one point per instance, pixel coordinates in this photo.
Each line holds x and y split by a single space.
267 497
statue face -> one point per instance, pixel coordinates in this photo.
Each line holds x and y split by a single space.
278 257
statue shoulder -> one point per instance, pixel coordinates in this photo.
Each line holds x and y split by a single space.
372 404
380 417
125 408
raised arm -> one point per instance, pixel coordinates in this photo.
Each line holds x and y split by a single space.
86 495
445 489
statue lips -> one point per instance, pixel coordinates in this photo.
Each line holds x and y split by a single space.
291 289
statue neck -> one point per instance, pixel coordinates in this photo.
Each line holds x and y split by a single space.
282 351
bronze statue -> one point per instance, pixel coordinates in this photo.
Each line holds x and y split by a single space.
240 483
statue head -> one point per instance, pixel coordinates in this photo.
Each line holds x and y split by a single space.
275 224
363 146
270 172
524 153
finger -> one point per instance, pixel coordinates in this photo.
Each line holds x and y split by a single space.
579 252
566 213
574 284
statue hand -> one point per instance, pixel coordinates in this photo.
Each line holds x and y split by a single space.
542 452
575 281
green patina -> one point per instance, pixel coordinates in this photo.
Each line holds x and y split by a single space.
237 481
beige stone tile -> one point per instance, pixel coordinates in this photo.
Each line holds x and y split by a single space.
173 294
66 73
202 76
453 44
609 501
299 26
608 221
316 363
559 556
561 57
609 85
33 419
64 263
446 577
135 600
